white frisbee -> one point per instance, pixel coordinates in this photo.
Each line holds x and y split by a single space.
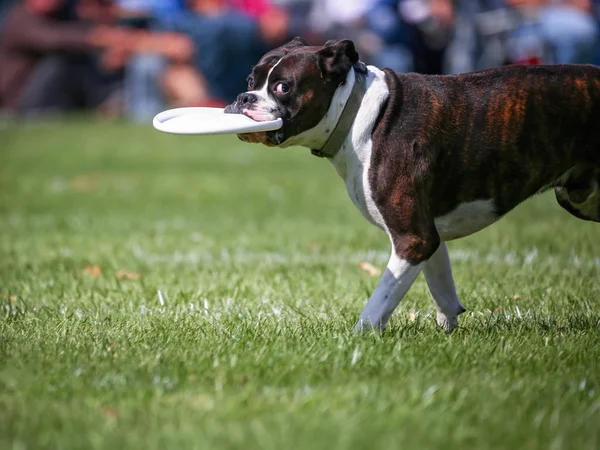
209 121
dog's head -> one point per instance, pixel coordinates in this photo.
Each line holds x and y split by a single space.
295 82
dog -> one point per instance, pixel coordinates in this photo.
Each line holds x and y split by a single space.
429 159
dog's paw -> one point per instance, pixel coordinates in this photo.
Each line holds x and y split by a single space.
447 323
365 327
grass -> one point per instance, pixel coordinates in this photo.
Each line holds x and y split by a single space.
230 327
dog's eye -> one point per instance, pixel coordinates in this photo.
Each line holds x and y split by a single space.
282 88
250 83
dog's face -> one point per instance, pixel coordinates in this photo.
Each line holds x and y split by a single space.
295 82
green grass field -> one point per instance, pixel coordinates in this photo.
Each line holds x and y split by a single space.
175 292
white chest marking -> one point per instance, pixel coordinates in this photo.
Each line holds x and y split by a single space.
353 160
466 219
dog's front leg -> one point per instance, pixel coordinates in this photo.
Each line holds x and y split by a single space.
404 210
438 275
395 282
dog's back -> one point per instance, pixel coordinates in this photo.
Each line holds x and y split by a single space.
507 133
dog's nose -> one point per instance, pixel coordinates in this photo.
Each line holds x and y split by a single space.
247 98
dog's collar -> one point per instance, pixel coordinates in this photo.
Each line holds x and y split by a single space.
342 128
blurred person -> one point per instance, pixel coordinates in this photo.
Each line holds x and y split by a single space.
431 23
273 21
596 14
156 68
394 52
45 62
415 33
57 56
158 71
298 19
141 13
5 5
343 19
229 36
150 7
481 35
566 31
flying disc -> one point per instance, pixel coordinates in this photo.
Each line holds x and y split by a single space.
209 121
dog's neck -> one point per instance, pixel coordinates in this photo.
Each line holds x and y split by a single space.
353 158
347 116
331 131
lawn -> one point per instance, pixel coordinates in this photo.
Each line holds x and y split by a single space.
177 292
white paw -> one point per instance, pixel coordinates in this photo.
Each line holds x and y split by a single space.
447 323
365 326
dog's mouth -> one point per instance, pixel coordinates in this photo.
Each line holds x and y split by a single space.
268 138
259 116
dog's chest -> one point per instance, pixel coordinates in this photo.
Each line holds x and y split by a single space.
352 165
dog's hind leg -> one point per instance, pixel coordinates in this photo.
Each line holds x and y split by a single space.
438 275
579 193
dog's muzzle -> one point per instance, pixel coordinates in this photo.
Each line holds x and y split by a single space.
243 101
247 101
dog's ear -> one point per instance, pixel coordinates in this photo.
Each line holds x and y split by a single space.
337 58
297 42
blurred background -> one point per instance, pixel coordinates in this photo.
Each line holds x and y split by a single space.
133 58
